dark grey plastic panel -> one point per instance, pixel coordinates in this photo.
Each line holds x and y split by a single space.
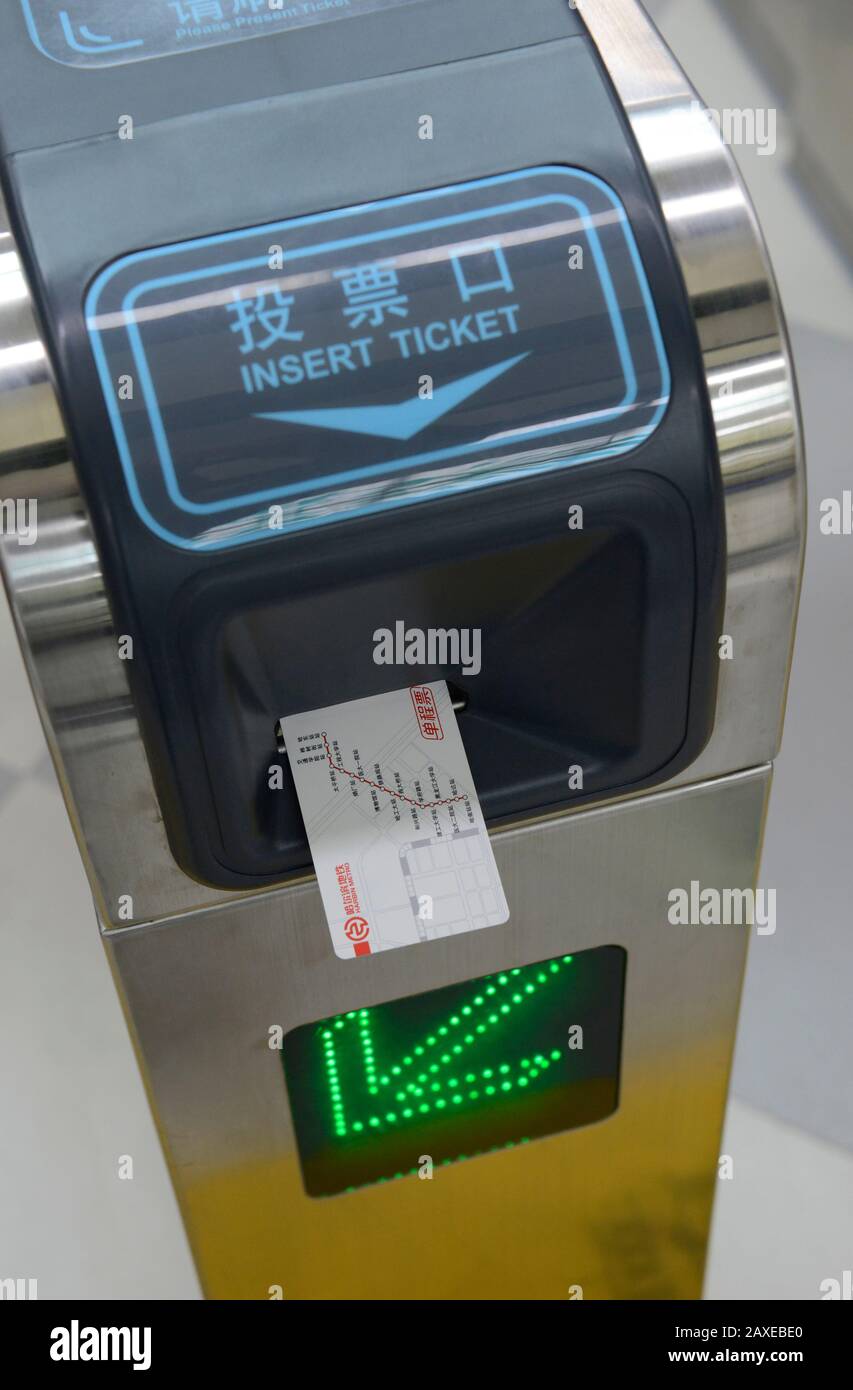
45 101
598 649
98 33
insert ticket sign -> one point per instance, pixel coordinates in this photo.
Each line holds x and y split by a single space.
352 361
399 844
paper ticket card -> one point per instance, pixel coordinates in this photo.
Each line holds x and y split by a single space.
398 839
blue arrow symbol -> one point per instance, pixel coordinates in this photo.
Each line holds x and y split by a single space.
401 421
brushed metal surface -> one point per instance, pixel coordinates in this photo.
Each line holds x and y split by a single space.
56 586
62 614
620 1207
748 371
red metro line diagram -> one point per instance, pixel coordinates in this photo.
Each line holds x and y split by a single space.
391 791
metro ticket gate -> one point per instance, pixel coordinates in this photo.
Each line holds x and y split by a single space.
448 316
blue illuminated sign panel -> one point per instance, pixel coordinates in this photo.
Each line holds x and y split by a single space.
100 33
333 365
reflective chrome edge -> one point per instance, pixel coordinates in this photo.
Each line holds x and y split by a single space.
61 611
733 295
56 587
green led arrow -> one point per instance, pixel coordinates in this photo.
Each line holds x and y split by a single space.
446 1069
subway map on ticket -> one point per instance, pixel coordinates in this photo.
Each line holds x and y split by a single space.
400 847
